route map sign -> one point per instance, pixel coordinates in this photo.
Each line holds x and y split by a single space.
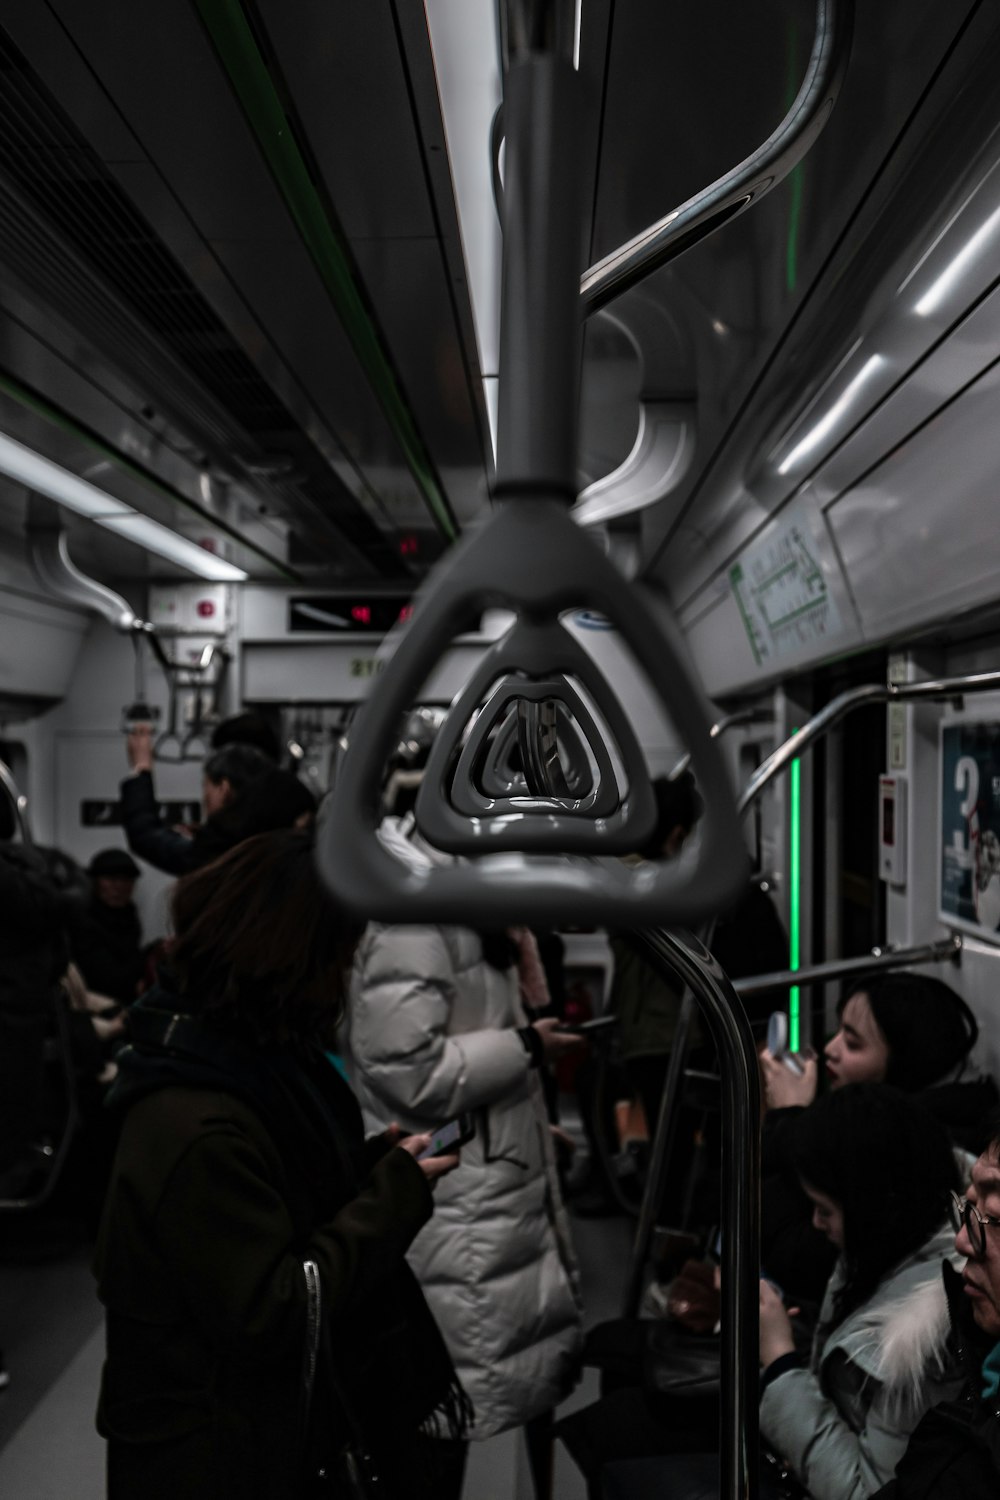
969 863
783 597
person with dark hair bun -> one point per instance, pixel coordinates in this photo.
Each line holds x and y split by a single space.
256 728
879 1171
261 1318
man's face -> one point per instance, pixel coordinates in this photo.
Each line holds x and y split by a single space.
114 890
982 1273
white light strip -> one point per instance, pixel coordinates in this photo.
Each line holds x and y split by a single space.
47 478
464 45
41 474
956 270
833 417
176 549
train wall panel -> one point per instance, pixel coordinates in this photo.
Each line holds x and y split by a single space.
783 603
912 911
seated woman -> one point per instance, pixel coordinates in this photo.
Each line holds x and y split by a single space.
878 1170
909 1030
253 1243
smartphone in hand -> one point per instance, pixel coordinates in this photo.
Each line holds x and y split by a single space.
448 1138
584 1028
777 1042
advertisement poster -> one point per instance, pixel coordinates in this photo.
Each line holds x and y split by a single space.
970 827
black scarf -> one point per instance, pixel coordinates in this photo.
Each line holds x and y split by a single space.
391 1362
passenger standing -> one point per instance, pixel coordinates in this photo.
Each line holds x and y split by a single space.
33 958
253 1243
437 1029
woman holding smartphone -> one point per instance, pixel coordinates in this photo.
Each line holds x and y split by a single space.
265 1334
437 1029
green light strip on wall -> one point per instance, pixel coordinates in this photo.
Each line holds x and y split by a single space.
237 50
794 899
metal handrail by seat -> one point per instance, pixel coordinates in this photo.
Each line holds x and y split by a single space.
681 954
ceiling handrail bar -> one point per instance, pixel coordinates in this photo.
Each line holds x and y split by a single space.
939 689
942 951
744 184
18 802
681 953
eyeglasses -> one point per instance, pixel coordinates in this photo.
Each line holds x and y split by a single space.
964 1213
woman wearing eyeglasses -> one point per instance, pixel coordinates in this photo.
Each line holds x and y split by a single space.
880 1173
955 1450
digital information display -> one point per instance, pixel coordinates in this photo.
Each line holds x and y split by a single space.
969 856
343 614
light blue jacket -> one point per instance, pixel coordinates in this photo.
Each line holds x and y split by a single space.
843 1424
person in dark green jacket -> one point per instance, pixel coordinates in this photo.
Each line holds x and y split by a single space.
261 1319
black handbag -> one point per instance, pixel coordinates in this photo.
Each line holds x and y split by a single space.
351 1471
678 1363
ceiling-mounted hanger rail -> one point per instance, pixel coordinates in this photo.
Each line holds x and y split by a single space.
746 183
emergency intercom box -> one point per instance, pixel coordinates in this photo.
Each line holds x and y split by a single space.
892 829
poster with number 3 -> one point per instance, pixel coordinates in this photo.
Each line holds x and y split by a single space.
969 868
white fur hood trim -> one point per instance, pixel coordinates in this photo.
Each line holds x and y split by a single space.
904 1341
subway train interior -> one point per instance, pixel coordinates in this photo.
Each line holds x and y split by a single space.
591 391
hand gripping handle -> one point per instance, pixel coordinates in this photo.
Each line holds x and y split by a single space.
535 560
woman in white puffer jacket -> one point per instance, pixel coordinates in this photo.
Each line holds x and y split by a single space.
437 1031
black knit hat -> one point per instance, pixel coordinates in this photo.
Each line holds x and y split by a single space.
929 1029
114 862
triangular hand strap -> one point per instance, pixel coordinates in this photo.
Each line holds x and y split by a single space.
608 820
533 559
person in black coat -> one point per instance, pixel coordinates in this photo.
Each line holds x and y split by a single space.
105 934
260 1311
954 1452
33 956
243 793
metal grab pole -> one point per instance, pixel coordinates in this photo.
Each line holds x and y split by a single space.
947 949
663 1143
683 954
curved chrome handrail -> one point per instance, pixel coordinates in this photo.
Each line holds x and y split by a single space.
934 690
728 721
18 802
682 954
755 176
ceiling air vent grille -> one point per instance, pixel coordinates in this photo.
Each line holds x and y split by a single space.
119 282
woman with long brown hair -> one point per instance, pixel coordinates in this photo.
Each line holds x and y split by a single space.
265 1337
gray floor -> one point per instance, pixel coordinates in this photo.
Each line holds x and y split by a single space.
51 1331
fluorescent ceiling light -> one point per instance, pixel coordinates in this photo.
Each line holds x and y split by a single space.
50 479
957 269
41 474
834 416
176 549
465 48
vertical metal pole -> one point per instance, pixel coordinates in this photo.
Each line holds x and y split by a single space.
663 1143
683 954
540 323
